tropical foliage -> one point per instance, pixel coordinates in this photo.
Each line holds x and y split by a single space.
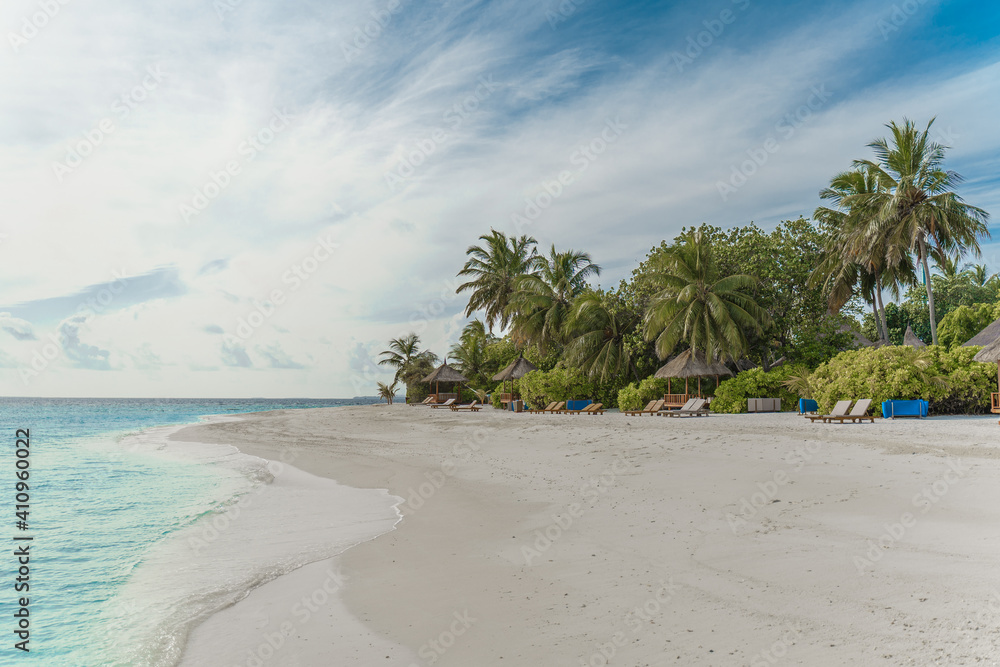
732 394
773 305
950 380
698 305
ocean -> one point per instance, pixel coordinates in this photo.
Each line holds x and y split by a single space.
135 538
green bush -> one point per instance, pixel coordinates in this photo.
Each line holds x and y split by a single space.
635 396
732 394
539 388
951 381
495 397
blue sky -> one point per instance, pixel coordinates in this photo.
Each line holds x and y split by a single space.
249 198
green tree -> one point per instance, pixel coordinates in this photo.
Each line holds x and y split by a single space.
599 324
495 268
853 263
405 356
541 303
964 322
916 208
470 353
699 305
387 391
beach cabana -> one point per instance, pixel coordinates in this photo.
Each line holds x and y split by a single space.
444 373
991 355
688 364
516 370
910 338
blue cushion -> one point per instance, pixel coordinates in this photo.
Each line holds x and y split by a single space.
807 405
577 405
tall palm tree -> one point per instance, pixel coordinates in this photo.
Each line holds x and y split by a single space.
852 260
495 266
470 351
915 208
410 362
597 328
400 353
697 304
541 303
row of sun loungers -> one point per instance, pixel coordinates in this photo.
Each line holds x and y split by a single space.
840 413
559 408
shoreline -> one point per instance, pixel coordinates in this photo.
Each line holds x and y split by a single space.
643 559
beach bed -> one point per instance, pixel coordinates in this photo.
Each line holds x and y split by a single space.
472 407
592 409
447 404
839 410
695 409
547 408
857 414
651 409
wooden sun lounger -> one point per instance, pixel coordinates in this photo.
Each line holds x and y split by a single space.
426 401
447 404
698 409
592 409
547 408
474 407
859 413
640 411
651 409
559 407
665 411
839 410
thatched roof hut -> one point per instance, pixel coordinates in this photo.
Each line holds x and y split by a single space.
910 338
515 370
986 336
860 339
689 364
445 373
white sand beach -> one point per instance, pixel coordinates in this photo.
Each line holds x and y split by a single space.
564 541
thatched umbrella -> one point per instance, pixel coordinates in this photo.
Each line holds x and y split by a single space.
444 373
689 364
516 370
910 338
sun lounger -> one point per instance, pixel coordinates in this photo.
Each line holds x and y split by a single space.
474 407
696 409
665 411
557 408
857 414
592 409
651 408
426 401
447 404
839 410
545 409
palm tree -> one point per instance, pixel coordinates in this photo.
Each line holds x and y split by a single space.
541 303
699 305
598 325
410 362
470 351
495 266
387 391
853 261
400 353
915 208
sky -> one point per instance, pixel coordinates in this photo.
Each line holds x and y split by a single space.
247 198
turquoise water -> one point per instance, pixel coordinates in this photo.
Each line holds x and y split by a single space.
97 510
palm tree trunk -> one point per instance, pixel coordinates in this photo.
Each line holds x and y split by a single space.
930 292
880 316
